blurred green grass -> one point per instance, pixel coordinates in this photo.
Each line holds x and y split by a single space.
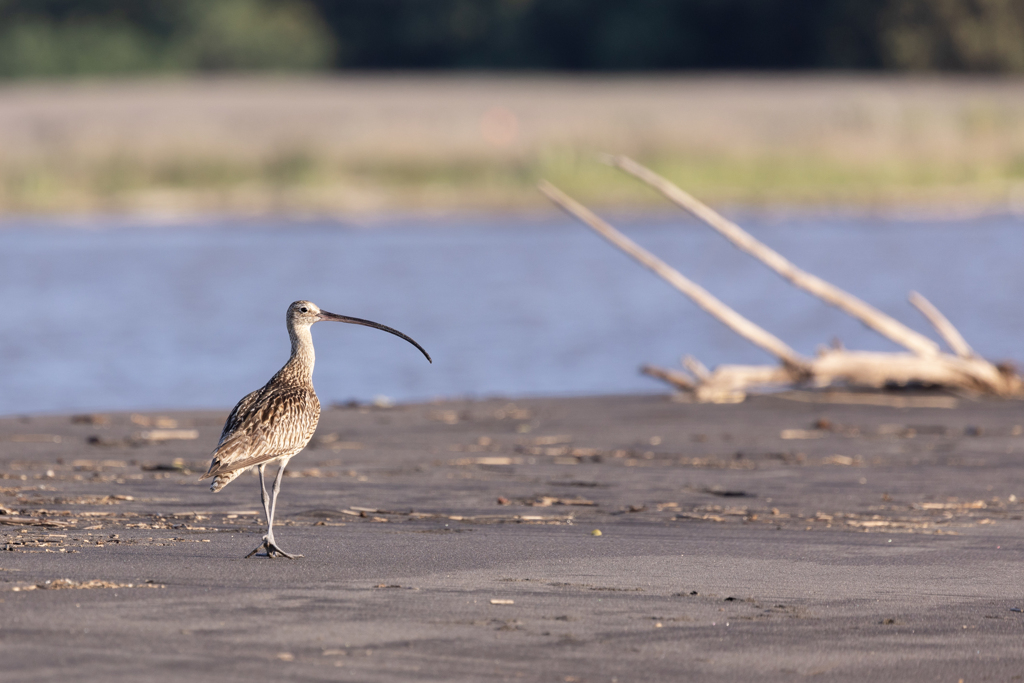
304 183
397 143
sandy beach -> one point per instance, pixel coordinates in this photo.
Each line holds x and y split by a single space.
782 538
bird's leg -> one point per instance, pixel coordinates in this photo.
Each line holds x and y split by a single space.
273 550
266 511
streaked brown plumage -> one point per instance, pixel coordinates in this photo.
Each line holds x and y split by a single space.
274 423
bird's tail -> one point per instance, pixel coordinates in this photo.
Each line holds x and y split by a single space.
223 479
221 476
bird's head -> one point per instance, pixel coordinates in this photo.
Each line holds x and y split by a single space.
305 313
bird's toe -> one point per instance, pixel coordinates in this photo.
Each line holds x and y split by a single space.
272 550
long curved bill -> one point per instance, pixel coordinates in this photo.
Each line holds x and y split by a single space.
324 315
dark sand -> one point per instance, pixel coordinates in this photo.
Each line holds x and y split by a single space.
888 547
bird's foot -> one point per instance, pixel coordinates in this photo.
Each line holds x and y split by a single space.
272 549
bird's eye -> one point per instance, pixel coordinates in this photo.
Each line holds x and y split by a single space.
304 309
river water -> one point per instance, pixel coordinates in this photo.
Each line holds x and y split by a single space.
122 315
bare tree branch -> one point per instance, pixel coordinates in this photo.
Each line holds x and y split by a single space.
676 378
942 325
869 315
700 296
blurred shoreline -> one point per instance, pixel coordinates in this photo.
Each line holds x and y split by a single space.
378 144
484 218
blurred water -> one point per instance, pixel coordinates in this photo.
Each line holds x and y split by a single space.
117 316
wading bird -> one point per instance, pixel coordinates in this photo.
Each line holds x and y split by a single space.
274 423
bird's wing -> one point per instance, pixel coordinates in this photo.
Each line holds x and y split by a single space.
265 426
238 414
238 451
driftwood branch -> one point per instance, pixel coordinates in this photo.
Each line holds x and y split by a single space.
726 384
676 378
700 296
869 315
699 370
927 365
942 325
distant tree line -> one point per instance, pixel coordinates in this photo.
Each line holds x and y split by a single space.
69 37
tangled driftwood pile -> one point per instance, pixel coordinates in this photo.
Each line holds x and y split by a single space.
924 363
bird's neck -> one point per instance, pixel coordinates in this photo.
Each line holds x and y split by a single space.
303 357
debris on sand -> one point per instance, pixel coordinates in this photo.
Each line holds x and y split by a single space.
61 584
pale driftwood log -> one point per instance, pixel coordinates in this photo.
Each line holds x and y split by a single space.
942 325
726 383
869 315
866 369
700 296
729 383
877 370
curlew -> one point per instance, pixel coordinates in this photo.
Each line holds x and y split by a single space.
274 423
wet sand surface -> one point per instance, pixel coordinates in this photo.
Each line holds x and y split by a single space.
778 539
